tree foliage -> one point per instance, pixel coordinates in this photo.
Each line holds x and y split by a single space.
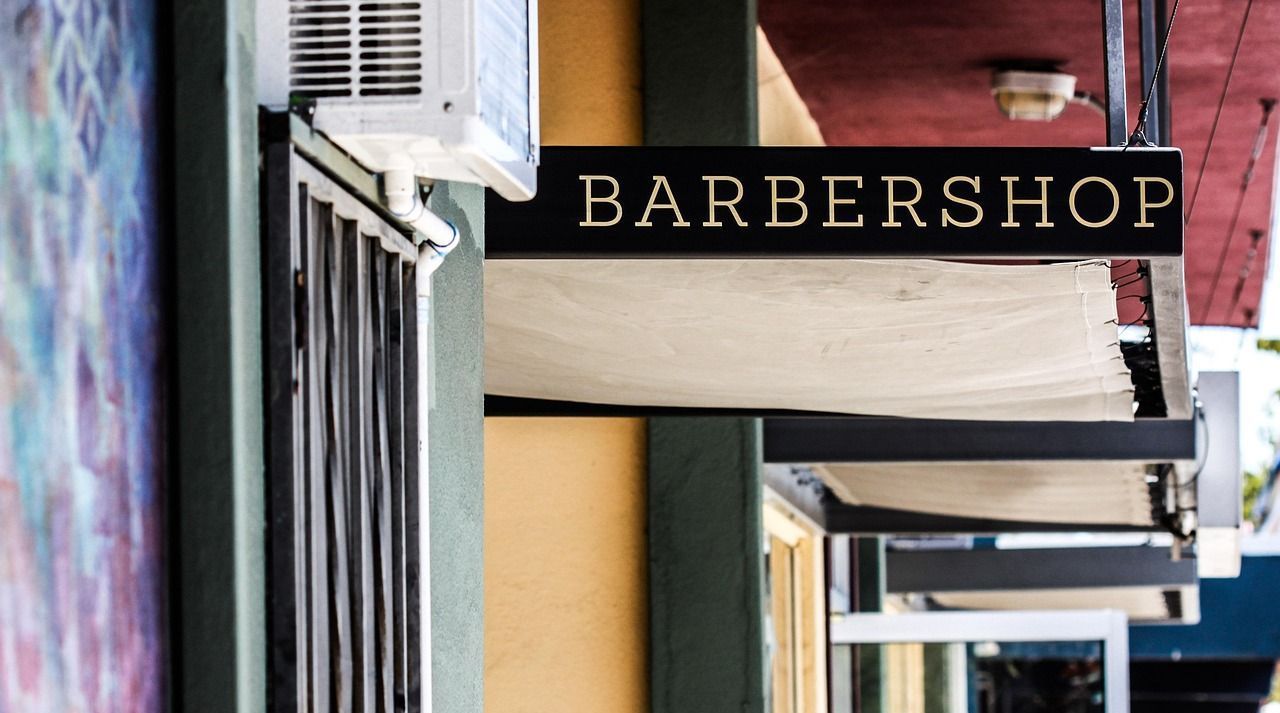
1254 482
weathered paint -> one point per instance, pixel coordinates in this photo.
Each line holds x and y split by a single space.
81 396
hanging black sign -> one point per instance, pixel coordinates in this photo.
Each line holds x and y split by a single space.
708 202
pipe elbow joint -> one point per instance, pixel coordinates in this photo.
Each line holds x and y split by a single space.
403 201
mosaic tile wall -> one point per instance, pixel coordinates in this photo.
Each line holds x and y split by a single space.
81 441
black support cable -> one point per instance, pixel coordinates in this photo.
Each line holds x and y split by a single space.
1139 135
1217 116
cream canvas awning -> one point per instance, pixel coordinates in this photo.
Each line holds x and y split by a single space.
912 338
1148 604
1093 492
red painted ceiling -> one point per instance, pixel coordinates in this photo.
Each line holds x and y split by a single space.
918 72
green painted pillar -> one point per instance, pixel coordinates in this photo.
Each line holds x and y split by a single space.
871 573
872 668
706 566
700 73
937 673
456 445
706 537
216 556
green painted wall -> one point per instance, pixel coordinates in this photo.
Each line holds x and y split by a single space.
456 432
217 602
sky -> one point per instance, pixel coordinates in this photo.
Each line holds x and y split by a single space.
1224 349
1220 348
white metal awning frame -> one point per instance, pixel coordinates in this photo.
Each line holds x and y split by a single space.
1109 627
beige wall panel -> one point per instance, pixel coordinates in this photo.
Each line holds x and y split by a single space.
591 72
566 595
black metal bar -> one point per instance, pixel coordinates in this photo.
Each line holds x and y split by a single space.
861 440
1113 67
283 543
814 437
839 518
1059 568
495 405
311 677
384 559
1163 99
396 402
413 581
1150 34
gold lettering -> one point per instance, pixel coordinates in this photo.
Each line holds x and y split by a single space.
612 198
1143 205
947 220
909 205
731 204
796 200
1115 202
833 201
1042 201
660 184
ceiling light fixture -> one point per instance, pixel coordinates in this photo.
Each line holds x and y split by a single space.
1033 95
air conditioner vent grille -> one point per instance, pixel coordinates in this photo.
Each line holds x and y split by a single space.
503 57
338 49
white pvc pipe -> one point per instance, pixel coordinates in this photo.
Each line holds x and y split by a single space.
403 201
428 259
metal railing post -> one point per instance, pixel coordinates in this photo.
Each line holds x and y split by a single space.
1149 29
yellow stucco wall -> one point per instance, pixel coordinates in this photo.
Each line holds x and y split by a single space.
566 617
566 596
590 72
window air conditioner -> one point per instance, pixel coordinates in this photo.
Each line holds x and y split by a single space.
445 88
